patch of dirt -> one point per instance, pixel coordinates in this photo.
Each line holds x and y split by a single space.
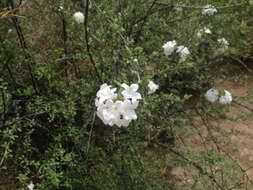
237 118
242 120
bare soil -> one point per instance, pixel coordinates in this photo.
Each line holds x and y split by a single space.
238 117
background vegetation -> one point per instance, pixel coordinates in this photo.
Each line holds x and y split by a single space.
52 67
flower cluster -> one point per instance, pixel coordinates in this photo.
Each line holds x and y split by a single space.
209 10
170 46
117 112
205 30
79 17
212 95
224 45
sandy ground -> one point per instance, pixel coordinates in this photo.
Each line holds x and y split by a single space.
238 118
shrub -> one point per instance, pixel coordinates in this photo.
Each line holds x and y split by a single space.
52 68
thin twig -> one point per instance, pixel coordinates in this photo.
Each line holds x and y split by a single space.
24 48
5 152
235 102
198 7
6 13
4 107
87 39
92 124
144 21
65 38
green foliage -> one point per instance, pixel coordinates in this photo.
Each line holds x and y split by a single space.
50 134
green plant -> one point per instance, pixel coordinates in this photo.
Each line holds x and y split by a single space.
52 69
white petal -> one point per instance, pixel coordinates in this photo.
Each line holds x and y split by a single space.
124 85
134 87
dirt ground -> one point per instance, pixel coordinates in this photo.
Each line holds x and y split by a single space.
239 117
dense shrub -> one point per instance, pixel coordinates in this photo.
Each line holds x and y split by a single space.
52 67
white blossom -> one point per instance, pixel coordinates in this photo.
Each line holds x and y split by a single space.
212 95
117 112
226 99
224 45
169 47
205 30
128 109
183 53
109 112
152 87
30 186
130 92
178 8
79 17
209 10
10 30
105 93
223 41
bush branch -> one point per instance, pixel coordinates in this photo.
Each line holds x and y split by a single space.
87 39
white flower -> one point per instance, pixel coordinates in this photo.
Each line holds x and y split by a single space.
183 52
130 92
226 99
224 45
105 93
79 17
30 186
205 30
178 8
118 112
169 47
209 10
212 95
128 110
223 41
152 87
10 30
109 113
60 8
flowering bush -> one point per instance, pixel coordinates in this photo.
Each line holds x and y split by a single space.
64 127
